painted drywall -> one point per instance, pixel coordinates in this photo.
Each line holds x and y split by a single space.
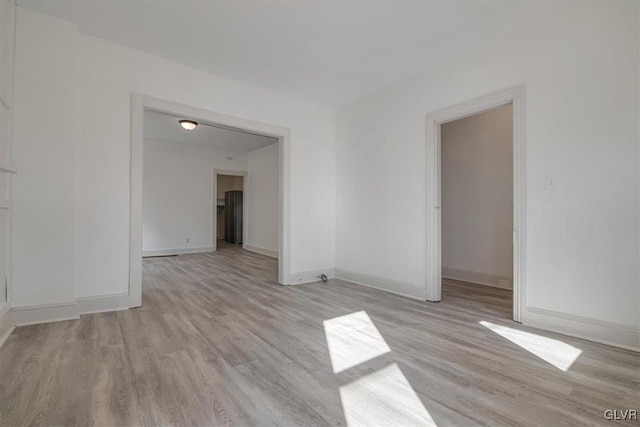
45 125
225 183
78 157
177 202
262 199
477 197
580 69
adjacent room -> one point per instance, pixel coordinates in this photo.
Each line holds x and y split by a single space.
229 212
476 195
208 189
248 213
187 175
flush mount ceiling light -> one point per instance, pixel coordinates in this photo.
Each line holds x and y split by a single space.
188 124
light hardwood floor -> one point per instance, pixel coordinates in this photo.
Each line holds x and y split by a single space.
219 342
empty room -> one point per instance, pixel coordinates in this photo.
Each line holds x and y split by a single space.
420 213
476 205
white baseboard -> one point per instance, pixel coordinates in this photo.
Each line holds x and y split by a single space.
34 314
262 251
104 303
7 325
487 279
303 277
600 331
180 251
394 286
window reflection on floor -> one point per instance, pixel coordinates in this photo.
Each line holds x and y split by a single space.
558 353
383 398
353 339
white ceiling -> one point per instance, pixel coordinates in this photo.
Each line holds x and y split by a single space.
328 52
165 127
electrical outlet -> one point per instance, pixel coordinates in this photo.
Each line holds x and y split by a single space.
300 279
504 282
187 240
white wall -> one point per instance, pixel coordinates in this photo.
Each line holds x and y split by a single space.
477 197
262 199
74 133
580 68
45 126
178 194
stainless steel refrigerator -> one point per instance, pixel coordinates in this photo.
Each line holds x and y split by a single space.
233 216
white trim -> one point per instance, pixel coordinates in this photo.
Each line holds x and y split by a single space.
600 331
4 309
214 203
312 276
70 310
7 325
103 303
178 251
476 277
34 314
135 220
515 96
138 105
268 252
405 289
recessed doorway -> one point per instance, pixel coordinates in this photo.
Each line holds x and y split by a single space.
477 209
511 101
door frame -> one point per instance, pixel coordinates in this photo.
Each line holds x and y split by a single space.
245 204
513 95
140 103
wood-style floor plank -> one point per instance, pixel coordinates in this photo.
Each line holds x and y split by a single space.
218 342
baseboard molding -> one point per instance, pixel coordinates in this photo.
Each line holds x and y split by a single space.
7 325
105 303
600 331
486 279
303 277
394 286
33 314
262 251
181 251
46 313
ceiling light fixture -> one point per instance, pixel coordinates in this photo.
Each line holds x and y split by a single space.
188 124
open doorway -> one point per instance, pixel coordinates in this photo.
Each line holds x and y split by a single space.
184 211
476 192
510 98
169 218
229 212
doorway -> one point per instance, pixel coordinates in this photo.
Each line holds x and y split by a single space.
513 97
230 221
476 202
139 106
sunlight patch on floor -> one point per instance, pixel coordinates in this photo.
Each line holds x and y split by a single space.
353 339
383 398
559 354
